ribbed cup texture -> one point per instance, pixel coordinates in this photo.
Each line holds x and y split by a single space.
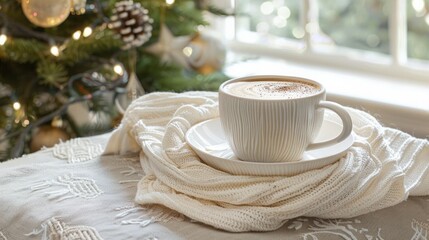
270 131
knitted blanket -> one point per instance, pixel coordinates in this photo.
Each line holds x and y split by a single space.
382 168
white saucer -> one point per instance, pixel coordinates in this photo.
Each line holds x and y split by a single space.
208 141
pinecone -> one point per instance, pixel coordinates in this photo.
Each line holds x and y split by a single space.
132 22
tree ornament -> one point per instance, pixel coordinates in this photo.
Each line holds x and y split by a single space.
47 136
205 54
132 22
4 145
78 7
106 76
134 89
134 25
5 90
6 120
170 48
45 103
46 13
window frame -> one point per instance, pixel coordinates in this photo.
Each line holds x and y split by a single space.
397 64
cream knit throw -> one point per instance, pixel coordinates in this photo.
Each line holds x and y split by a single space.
382 168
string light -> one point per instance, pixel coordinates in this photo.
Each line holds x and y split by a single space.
87 32
118 69
187 51
169 2
76 35
25 123
20 116
3 39
16 106
78 7
55 50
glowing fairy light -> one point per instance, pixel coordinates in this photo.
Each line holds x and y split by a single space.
118 69
3 39
16 106
55 50
187 51
87 32
25 123
76 35
169 2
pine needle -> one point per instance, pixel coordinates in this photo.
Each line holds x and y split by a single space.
51 73
23 50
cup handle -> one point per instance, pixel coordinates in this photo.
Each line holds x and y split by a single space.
345 118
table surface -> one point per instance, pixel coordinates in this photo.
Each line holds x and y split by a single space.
72 189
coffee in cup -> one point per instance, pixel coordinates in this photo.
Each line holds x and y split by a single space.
275 118
271 89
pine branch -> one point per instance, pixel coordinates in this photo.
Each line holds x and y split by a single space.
27 65
23 133
101 42
51 73
189 81
185 17
18 30
22 50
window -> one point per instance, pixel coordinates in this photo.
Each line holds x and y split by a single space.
384 36
418 29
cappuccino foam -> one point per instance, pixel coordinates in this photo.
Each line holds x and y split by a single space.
272 89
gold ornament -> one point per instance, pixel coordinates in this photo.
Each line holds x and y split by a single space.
47 136
78 7
46 13
205 54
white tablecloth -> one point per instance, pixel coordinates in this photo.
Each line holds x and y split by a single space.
71 191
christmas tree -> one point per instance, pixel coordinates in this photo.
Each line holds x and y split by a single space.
62 61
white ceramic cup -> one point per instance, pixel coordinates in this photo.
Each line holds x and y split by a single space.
276 130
